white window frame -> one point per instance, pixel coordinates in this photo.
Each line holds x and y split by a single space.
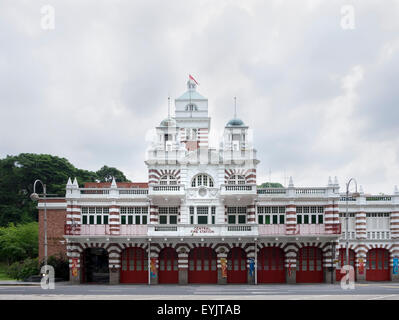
168 179
202 180
236 179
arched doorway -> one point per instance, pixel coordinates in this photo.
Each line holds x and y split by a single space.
237 266
134 266
377 265
95 266
168 266
202 266
342 262
271 265
309 267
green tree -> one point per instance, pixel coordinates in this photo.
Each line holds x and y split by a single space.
17 174
18 242
106 173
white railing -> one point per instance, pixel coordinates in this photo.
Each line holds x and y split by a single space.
166 188
133 191
238 187
239 228
310 191
249 189
94 191
271 191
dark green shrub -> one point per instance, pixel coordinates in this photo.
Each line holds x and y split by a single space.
23 269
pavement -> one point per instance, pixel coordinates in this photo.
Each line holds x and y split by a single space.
16 290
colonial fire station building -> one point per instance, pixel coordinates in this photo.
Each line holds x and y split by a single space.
202 219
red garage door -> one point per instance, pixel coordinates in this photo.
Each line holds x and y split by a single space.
271 265
237 266
168 266
377 265
134 266
202 266
342 262
309 265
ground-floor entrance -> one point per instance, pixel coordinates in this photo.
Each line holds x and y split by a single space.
237 266
202 265
271 265
95 266
378 265
134 266
309 268
168 266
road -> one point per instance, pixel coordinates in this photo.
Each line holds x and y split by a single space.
65 291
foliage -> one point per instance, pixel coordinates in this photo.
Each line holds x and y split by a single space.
271 185
22 269
18 173
18 242
105 174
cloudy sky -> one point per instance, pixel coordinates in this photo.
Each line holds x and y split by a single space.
321 97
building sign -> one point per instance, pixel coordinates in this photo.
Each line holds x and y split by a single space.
202 230
153 267
395 265
223 265
251 267
361 266
74 267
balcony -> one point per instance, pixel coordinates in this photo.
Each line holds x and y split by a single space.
106 193
238 193
272 191
104 229
170 193
202 230
310 192
301 230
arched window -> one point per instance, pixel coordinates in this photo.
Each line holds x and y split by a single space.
236 179
202 180
167 179
191 107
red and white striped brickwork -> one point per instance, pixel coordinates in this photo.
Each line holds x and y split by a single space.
154 175
114 220
394 229
290 251
290 214
361 226
203 137
249 174
73 217
331 215
251 214
394 224
154 214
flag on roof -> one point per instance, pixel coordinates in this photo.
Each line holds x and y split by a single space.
191 78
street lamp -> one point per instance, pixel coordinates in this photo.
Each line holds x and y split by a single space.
35 197
347 218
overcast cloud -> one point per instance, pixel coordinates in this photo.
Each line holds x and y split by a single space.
322 101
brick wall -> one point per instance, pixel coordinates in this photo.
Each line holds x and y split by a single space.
56 219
